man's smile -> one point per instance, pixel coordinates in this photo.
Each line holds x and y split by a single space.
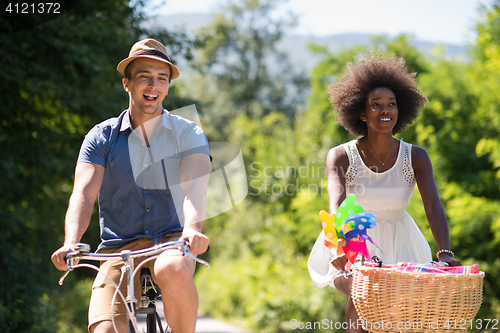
151 97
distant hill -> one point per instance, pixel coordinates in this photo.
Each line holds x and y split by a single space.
296 45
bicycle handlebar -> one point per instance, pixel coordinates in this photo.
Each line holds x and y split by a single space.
379 262
82 251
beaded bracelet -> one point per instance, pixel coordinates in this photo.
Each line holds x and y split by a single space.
445 251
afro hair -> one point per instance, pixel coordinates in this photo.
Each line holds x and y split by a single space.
366 73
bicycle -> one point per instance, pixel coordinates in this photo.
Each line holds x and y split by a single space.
149 289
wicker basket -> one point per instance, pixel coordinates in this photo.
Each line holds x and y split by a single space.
388 300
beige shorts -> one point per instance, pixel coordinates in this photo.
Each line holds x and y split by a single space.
103 289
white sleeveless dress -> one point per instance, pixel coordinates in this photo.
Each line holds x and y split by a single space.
385 194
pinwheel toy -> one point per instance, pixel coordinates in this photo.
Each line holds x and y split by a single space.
346 229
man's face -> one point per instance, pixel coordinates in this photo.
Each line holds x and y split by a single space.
148 85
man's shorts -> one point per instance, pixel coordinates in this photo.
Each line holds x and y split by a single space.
103 289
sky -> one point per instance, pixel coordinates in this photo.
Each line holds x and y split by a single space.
440 21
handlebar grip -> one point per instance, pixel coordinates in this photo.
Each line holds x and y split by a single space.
67 255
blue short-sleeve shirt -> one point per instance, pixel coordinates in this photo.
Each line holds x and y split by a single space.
141 195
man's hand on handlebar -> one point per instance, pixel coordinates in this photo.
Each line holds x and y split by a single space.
59 257
197 241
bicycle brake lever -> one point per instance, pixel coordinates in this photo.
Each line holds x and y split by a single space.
68 257
61 280
187 252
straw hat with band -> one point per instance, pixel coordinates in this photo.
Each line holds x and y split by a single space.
148 48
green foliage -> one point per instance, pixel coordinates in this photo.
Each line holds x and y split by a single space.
484 71
57 80
72 304
265 295
238 55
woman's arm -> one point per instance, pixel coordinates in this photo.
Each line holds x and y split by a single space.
337 163
422 166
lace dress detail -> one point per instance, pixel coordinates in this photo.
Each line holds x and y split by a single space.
407 168
352 169
385 194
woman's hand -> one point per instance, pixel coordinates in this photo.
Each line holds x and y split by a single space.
446 257
339 262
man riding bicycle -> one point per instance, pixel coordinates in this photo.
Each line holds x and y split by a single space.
150 169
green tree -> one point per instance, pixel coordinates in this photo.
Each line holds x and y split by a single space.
58 80
486 66
241 68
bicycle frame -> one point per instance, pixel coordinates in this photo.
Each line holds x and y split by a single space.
82 252
148 303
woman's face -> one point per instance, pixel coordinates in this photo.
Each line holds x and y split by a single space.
381 110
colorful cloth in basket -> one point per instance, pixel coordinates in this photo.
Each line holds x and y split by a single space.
429 268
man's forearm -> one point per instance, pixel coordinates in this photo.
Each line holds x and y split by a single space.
195 170
77 218
195 208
